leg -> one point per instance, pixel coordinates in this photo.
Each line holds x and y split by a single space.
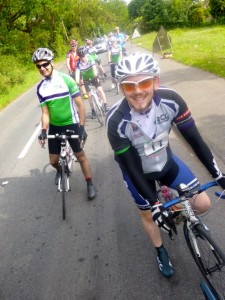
200 203
86 170
151 228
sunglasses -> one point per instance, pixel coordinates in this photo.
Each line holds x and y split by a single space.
143 84
45 65
73 45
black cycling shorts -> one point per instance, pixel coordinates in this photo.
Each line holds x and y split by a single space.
54 145
95 81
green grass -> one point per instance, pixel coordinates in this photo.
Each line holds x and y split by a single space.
202 48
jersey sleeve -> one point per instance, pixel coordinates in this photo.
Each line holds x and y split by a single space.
118 141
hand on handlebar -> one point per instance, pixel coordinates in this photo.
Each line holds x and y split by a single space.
162 218
82 134
42 138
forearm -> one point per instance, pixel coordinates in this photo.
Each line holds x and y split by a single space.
201 149
130 162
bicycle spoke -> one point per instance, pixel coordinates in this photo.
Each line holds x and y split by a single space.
209 258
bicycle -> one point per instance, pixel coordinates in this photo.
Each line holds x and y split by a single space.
97 103
66 159
113 67
207 255
100 70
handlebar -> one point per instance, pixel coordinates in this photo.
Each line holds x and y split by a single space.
202 188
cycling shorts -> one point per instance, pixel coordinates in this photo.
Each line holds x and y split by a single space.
177 174
95 81
54 145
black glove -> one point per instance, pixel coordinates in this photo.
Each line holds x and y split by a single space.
221 180
43 135
82 133
160 215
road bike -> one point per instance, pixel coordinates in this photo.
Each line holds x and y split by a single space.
66 159
100 70
113 67
98 104
207 255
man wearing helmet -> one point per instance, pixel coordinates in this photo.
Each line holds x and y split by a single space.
92 51
62 108
86 67
71 60
138 128
121 38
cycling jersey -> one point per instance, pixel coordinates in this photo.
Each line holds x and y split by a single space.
86 68
141 140
115 53
57 93
73 58
121 37
92 51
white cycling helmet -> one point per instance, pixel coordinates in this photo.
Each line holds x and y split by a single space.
42 54
137 63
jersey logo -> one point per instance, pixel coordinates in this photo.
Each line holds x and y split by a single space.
163 118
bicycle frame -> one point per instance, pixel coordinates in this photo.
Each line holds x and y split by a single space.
64 162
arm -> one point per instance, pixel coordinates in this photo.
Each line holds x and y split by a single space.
194 139
45 117
77 76
81 110
130 162
68 63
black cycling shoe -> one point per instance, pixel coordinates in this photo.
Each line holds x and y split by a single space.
165 266
91 191
57 176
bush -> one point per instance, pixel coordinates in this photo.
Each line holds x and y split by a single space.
12 72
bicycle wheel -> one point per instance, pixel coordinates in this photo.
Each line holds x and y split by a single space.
101 75
97 109
63 184
209 258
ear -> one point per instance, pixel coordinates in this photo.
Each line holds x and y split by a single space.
156 83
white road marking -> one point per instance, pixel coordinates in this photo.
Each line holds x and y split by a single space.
29 143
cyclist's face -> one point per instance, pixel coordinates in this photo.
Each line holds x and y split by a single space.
139 90
45 68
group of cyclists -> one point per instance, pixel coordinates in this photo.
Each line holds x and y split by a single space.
138 128
83 64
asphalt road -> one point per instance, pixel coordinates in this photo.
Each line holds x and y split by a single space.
100 252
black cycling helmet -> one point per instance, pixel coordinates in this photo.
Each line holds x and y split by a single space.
42 54
81 51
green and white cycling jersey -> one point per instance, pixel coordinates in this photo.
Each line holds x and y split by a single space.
92 52
86 68
57 93
115 53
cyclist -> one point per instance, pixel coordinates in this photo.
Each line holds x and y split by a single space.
110 41
114 56
122 38
86 67
62 108
138 128
71 60
92 51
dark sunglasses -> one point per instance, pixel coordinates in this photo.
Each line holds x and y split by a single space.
45 65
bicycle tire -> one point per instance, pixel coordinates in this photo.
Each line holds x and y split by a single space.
69 158
97 109
101 75
63 183
211 259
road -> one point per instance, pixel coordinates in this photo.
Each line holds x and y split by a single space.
100 252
